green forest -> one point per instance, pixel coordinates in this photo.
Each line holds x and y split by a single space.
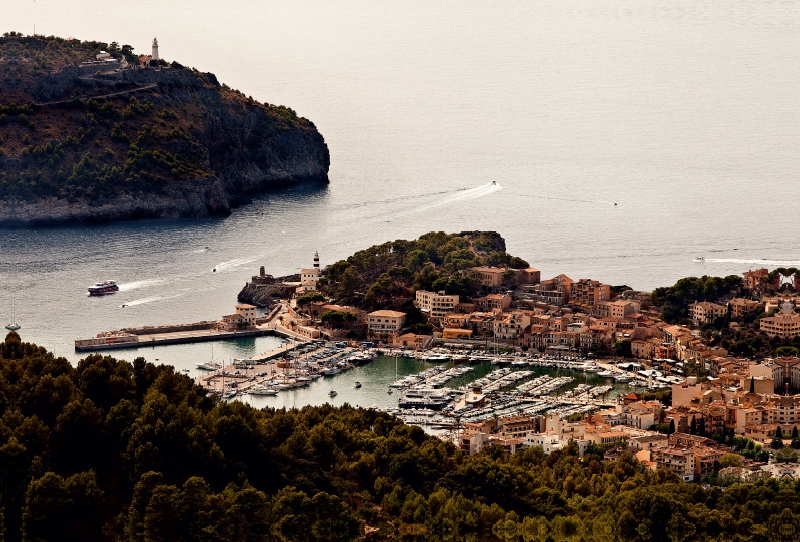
117 451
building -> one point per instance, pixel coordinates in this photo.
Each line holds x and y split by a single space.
490 277
510 326
756 281
245 316
617 309
456 333
493 302
532 275
555 291
741 307
435 305
386 321
589 293
154 55
705 312
785 326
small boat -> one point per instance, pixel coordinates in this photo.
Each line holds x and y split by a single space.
391 391
699 259
214 270
332 393
102 288
357 385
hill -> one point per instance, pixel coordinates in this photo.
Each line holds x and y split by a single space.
387 275
83 139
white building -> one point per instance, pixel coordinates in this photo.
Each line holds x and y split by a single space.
155 56
435 305
386 321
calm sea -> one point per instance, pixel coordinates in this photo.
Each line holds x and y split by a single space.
684 113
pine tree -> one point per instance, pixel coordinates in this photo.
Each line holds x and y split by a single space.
752 385
671 427
693 426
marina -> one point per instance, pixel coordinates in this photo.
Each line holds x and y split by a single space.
414 389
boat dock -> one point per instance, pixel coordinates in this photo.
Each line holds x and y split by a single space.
166 338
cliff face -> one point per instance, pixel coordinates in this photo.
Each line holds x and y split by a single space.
137 142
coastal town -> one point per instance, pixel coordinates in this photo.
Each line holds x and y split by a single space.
675 398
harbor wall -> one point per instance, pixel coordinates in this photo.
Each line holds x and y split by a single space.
163 339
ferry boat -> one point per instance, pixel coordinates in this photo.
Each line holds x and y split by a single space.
102 288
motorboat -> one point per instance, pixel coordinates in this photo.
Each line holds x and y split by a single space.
357 385
699 259
331 371
332 393
391 391
606 374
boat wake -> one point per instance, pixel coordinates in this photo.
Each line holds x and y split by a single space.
139 284
230 264
464 194
149 300
770 263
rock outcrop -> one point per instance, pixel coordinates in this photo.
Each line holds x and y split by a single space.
266 295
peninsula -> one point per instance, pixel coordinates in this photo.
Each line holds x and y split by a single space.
92 132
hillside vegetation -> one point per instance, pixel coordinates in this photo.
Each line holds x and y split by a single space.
87 138
386 275
111 450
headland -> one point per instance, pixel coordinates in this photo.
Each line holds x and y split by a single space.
91 132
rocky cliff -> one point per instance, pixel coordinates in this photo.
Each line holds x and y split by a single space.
119 140
265 294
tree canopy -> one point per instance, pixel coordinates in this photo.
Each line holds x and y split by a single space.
117 451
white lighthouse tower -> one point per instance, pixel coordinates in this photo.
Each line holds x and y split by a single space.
155 56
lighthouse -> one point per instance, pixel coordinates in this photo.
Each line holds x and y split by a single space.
155 56
316 260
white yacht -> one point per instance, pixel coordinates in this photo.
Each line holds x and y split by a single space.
262 390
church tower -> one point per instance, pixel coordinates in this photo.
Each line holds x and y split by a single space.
155 56
316 260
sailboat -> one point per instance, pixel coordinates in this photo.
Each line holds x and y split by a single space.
12 325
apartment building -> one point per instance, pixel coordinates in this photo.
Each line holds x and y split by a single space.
490 277
555 291
435 305
705 312
756 280
741 307
386 321
510 326
617 309
589 293
493 302
785 326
